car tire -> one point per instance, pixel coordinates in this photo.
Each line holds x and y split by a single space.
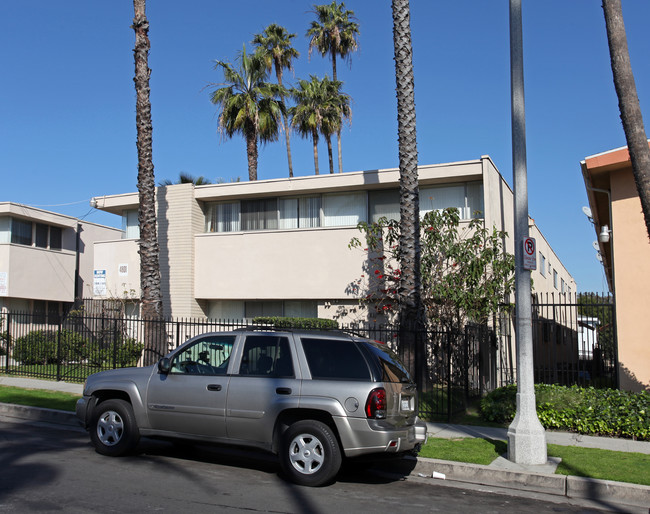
310 454
113 430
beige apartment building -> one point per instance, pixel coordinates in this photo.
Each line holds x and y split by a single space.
46 259
280 247
625 250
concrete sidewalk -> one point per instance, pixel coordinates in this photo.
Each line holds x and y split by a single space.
501 475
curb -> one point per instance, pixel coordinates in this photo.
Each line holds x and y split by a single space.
557 485
60 417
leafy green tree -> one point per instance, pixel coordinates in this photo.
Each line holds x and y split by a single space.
151 296
465 271
186 178
249 104
318 102
274 45
334 33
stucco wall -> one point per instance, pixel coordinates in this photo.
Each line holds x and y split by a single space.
121 261
38 273
632 279
296 264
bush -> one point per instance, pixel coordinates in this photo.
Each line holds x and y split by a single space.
40 347
607 412
126 351
304 323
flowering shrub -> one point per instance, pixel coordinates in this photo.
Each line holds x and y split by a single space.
466 274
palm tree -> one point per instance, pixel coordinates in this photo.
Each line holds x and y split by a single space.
315 106
411 311
249 104
151 294
274 44
337 110
334 33
186 178
628 102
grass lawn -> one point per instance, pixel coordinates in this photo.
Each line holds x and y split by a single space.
604 464
628 467
38 398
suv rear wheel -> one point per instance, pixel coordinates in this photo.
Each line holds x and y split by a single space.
113 430
310 454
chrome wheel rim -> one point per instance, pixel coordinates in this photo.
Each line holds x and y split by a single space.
306 454
110 428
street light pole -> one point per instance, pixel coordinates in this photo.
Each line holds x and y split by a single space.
526 436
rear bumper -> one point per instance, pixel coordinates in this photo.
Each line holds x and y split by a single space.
359 438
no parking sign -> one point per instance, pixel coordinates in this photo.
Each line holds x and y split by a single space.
530 253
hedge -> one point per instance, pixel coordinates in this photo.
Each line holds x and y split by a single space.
605 412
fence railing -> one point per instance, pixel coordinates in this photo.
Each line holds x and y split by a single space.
573 344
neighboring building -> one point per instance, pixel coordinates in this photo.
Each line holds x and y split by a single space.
44 256
625 251
280 247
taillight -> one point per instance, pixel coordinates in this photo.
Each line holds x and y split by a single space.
376 404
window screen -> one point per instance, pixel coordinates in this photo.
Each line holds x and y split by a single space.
41 235
344 210
384 203
259 214
21 232
55 238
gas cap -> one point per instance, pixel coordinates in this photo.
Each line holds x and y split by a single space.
351 404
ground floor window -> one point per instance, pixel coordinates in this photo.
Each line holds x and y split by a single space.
249 309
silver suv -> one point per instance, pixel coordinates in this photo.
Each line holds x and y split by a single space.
310 397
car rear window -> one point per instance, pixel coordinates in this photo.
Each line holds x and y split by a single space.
335 359
392 368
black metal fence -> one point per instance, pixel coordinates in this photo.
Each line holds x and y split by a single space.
574 343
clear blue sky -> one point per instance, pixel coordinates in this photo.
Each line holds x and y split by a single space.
67 100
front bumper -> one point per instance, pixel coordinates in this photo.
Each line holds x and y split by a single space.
83 409
359 438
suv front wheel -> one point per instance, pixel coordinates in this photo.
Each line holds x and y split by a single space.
310 454
113 430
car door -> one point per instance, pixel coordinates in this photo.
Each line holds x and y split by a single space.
191 398
264 384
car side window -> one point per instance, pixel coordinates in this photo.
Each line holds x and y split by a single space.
208 356
267 356
335 359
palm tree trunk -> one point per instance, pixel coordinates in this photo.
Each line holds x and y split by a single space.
278 74
338 133
338 147
411 312
628 103
251 152
329 153
151 295
315 140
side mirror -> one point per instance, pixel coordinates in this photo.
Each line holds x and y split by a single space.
164 365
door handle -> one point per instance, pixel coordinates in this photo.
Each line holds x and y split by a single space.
283 390
214 387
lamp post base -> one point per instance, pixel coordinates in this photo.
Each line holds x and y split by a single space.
526 435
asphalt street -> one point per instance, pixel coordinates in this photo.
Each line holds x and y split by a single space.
46 467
